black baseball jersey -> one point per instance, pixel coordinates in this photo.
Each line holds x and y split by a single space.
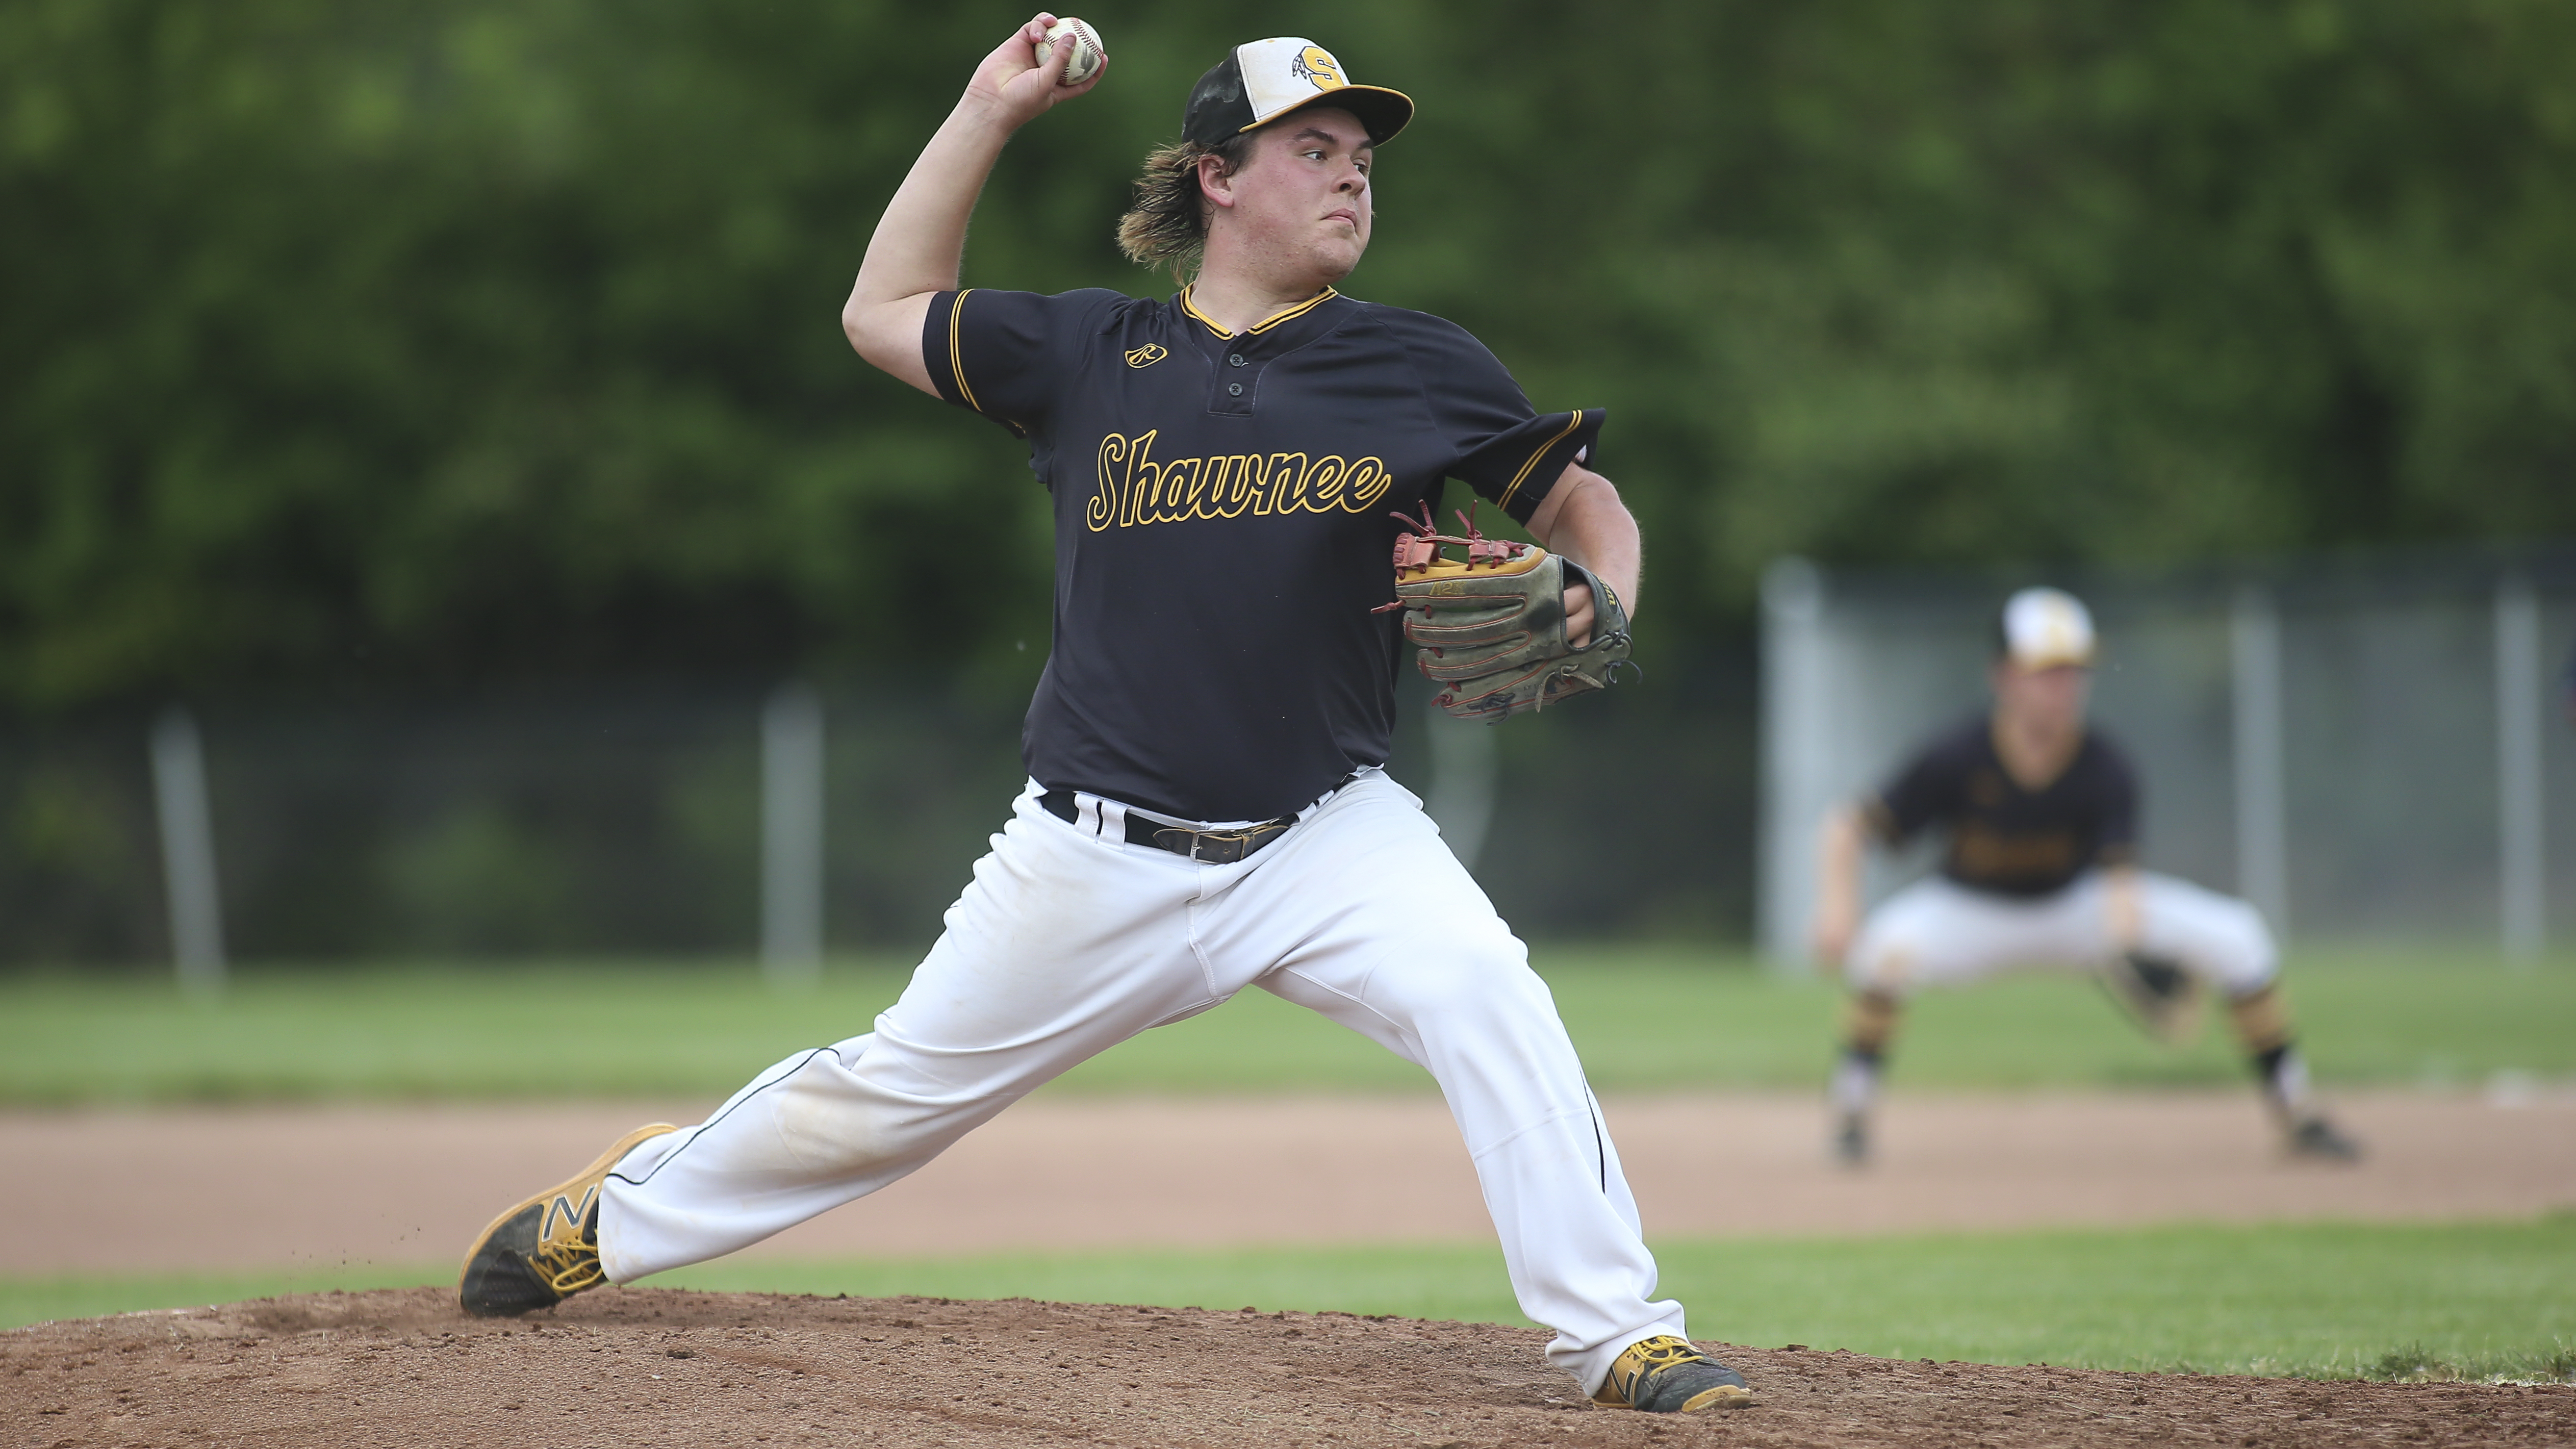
1222 524
2004 838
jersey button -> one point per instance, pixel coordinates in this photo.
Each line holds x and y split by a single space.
1235 361
1234 389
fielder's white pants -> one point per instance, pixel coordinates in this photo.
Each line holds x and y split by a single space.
1070 941
1936 932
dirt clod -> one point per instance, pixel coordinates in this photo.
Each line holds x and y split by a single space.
403 1367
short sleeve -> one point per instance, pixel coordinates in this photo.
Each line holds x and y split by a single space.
1506 450
1925 792
1006 355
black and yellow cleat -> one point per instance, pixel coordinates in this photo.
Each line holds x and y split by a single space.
1851 1139
1665 1375
546 1249
2317 1140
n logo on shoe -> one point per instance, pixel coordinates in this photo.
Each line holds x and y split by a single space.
573 1215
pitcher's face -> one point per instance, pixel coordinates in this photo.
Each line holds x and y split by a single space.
1302 201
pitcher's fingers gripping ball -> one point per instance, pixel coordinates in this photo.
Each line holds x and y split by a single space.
1491 624
1087 53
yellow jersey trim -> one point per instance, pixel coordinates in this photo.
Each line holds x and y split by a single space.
1266 323
956 349
1523 475
1293 313
1204 319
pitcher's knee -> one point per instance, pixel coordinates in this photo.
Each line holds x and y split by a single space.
832 1122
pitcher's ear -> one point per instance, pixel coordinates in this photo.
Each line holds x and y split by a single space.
1216 180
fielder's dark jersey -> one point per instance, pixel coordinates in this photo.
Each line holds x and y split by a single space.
1222 524
2004 838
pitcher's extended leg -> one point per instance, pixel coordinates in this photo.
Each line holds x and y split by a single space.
1061 948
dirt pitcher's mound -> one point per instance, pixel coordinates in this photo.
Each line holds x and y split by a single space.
656 1366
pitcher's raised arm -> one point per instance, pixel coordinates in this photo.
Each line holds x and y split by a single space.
921 239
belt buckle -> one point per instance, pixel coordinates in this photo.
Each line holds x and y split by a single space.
1217 847
1200 838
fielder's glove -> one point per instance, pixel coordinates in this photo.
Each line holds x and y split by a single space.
1491 626
2158 994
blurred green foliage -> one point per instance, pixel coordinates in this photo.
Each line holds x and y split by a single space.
453 340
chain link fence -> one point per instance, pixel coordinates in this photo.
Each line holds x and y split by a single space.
708 819
2370 749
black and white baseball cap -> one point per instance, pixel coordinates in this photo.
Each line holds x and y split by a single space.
1260 82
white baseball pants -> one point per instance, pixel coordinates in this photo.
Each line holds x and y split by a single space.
1070 940
1936 932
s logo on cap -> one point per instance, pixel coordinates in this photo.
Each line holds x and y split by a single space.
1317 65
1262 80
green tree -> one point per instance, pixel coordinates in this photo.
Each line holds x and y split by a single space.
446 340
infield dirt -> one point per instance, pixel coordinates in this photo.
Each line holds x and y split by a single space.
663 1367
411 1184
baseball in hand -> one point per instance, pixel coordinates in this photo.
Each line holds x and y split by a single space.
1087 51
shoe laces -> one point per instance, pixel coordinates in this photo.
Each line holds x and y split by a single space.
569 1262
1643 1360
568 1268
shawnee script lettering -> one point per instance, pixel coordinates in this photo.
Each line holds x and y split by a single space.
1134 488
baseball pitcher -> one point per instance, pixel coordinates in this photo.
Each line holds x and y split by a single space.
2041 812
1207 807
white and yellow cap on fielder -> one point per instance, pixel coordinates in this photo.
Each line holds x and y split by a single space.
1261 81
2047 629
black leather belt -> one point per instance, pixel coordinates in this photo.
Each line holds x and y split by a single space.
1208 847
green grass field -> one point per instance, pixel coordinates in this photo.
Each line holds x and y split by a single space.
2475 1299
2326 1301
1645 1019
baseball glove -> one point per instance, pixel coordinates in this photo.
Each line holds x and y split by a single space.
1491 626
2158 994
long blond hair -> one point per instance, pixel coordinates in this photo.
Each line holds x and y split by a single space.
1167 227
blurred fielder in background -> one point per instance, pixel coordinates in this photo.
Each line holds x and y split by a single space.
2041 812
